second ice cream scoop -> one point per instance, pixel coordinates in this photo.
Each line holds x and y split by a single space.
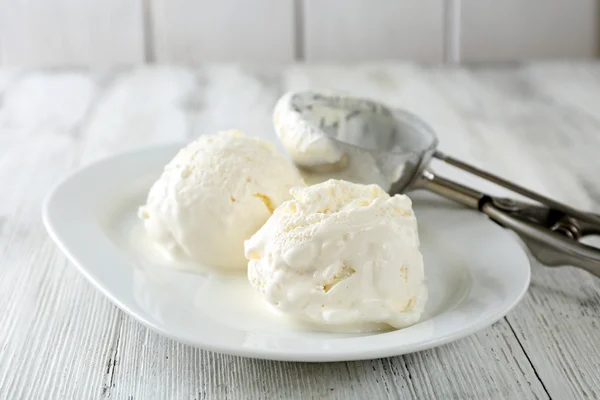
341 255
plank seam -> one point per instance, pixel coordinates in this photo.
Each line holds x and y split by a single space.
452 25
299 28
148 32
527 357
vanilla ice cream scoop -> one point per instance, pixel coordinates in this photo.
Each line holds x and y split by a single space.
216 193
341 255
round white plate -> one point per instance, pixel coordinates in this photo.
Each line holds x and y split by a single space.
476 273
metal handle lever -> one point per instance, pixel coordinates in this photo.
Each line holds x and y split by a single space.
583 216
551 248
551 231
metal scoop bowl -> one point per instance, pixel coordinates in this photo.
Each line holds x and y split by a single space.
366 142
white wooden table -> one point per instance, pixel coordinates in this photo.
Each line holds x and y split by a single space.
538 124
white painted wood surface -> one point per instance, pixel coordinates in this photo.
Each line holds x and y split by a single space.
59 338
510 30
359 30
191 32
71 32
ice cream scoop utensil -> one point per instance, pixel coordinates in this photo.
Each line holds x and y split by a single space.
338 136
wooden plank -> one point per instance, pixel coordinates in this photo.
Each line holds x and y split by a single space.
559 323
58 332
184 372
530 125
525 30
190 32
71 32
39 118
59 338
361 30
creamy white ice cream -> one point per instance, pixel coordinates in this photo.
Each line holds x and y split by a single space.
341 254
216 193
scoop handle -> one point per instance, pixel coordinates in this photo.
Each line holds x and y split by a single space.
550 231
588 218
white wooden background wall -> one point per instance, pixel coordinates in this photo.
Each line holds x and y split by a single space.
96 32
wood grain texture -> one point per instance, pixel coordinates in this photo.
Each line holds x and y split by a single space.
566 300
191 32
71 32
533 113
360 30
59 338
528 30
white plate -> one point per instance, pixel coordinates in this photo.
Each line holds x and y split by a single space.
476 272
